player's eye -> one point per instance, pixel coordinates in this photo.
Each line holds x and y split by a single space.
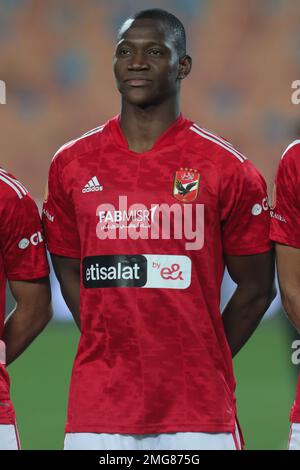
155 52
123 51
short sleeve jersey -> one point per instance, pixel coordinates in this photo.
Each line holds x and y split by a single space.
151 230
22 258
285 218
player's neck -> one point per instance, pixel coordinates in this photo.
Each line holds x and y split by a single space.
143 126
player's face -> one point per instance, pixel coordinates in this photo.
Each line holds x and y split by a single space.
146 63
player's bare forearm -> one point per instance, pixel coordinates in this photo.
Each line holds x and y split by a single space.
67 271
288 266
291 304
242 315
255 291
72 300
29 318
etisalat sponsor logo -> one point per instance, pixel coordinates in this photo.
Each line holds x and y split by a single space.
159 222
296 354
2 92
148 271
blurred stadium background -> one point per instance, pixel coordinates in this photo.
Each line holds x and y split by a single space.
55 58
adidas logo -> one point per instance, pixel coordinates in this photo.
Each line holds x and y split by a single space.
92 186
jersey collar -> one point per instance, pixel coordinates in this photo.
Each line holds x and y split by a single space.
169 137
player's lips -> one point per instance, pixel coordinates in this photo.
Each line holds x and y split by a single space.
138 82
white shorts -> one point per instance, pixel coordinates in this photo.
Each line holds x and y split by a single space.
9 439
294 439
170 441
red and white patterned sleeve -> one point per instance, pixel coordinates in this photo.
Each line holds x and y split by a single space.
245 215
285 212
59 218
21 236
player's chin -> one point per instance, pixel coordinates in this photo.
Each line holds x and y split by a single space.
141 101
139 97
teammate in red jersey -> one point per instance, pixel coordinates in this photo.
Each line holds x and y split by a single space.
285 231
24 264
143 214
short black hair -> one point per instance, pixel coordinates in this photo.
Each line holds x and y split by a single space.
174 25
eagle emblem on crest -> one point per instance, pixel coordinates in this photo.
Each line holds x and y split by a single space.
186 185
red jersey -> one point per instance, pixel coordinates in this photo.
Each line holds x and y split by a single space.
285 216
151 230
22 258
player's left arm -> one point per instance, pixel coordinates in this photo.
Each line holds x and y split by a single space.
285 231
29 318
254 276
288 267
248 252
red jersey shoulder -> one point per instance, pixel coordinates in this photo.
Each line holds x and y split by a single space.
79 146
291 156
214 145
289 167
11 188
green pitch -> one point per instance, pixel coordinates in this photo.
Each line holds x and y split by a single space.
266 386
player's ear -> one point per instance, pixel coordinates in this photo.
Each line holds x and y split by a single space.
185 66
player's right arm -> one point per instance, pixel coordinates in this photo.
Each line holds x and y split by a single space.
67 271
25 266
62 237
285 231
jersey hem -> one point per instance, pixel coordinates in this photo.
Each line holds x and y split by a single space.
255 250
67 253
295 416
7 422
205 428
285 241
27 276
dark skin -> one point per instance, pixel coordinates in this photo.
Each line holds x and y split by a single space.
254 276
149 72
288 268
67 271
29 318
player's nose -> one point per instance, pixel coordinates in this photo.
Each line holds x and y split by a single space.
138 62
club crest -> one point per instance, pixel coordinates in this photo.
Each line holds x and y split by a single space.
186 185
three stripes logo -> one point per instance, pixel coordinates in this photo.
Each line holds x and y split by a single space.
92 186
13 183
219 141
